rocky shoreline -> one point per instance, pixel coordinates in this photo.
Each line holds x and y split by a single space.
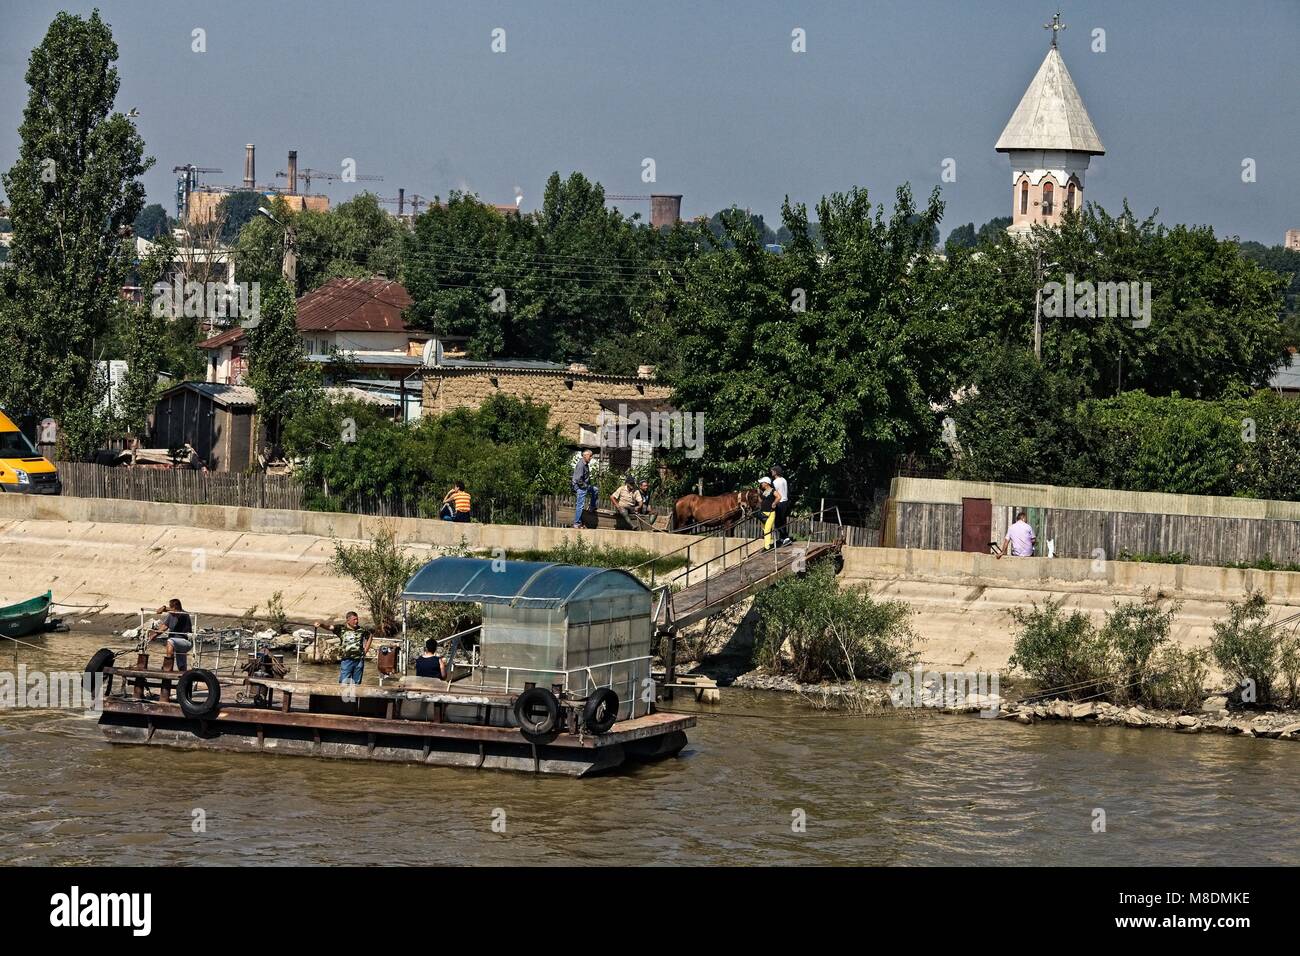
1214 717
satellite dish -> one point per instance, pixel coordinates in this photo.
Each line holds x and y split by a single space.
433 352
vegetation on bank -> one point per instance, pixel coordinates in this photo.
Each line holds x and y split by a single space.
1265 563
813 629
580 551
1132 659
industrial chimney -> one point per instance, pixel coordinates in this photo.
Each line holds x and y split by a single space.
665 210
250 176
293 172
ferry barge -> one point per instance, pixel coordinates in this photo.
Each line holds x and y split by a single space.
557 681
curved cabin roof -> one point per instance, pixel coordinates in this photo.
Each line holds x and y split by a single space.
526 584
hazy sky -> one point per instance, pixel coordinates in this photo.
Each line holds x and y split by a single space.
712 91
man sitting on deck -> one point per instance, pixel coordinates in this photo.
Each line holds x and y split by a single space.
177 629
429 664
354 645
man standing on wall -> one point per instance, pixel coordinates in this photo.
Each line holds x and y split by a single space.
582 486
1020 539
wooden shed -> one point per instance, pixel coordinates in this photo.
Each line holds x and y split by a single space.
218 420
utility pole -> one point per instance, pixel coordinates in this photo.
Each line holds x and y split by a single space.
289 264
1038 298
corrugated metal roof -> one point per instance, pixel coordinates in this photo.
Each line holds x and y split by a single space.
1051 114
1287 378
230 396
529 584
342 305
354 305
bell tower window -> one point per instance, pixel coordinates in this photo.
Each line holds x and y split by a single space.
1071 198
1024 196
1047 198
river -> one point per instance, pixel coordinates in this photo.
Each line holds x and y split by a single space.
922 789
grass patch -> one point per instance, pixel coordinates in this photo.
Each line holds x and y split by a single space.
576 550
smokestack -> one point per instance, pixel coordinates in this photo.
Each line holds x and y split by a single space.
293 172
401 201
250 176
665 210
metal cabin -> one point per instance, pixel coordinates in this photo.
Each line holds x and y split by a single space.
571 629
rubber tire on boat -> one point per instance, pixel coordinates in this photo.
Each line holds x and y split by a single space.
203 708
532 698
98 661
605 702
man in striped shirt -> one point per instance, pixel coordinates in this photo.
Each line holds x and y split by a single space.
455 504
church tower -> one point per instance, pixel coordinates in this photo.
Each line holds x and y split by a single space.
1049 140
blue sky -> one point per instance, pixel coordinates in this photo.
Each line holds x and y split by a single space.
887 90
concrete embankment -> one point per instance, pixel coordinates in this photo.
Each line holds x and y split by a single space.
221 561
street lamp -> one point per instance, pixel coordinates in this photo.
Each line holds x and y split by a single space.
289 262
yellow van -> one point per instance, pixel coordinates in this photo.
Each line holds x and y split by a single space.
22 468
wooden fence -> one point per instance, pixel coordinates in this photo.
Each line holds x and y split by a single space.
255 490
258 490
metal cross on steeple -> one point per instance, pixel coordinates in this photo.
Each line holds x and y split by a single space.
1056 26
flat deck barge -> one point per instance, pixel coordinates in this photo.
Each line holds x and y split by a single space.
408 721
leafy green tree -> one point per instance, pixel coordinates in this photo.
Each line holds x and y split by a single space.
809 358
152 223
72 193
235 210
277 369
1014 424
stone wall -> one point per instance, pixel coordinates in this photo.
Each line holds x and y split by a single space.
574 397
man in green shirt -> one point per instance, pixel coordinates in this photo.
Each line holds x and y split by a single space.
354 645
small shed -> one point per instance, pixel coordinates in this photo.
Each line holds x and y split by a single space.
217 420
551 624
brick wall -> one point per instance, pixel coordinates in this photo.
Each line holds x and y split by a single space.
574 397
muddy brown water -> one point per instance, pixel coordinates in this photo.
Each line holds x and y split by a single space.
931 789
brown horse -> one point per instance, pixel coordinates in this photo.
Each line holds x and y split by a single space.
708 511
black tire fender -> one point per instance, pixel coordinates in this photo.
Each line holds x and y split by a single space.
102 658
185 688
527 706
601 711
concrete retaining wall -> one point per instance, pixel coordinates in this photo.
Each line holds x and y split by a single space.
220 560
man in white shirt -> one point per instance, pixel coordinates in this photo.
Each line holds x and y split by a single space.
1020 539
783 505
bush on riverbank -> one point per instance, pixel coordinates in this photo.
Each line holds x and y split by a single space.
1248 649
812 629
1130 659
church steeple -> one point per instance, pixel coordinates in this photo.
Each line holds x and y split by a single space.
1050 139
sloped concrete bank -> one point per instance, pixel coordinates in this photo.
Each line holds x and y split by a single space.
221 560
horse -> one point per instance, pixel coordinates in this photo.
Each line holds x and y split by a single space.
713 510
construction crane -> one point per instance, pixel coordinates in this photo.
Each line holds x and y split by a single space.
414 201
307 175
187 180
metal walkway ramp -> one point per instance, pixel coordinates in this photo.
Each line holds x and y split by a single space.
731 572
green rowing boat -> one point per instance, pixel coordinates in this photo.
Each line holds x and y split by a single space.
25 617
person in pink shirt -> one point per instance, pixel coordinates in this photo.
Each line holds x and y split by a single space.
1020 539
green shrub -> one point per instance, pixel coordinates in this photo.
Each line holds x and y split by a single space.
1177 679
380 571
1156 557
1060 652
1132 634
576 549
812 629
1246 649
1130 659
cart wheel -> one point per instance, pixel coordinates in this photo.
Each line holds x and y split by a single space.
185 690
601 711
537 711
99 660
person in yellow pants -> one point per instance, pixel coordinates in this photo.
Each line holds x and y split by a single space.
768 500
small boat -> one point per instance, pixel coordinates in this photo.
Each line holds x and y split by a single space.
25 617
